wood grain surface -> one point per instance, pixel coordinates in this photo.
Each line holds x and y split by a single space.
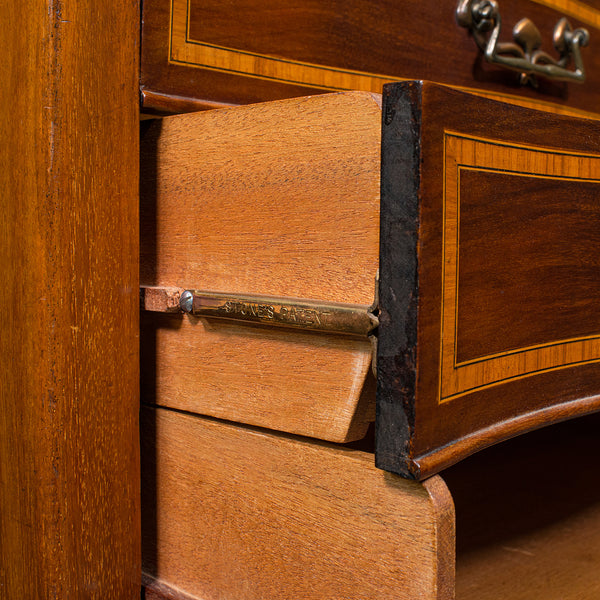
276 199
69 442
476 344
252 51
304 383
536 535
561 305
520 275
230 512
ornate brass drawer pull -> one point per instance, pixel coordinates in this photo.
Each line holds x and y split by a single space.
482 19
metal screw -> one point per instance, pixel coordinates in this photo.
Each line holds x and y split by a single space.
186 301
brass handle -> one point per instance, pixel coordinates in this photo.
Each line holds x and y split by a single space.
482 19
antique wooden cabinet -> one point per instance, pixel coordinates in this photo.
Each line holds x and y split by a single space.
268 203
316 263
263 476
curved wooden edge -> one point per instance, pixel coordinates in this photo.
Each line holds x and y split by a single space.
364 412
232 512
443 506
424 466
167 104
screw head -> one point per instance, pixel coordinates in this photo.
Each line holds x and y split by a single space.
186 301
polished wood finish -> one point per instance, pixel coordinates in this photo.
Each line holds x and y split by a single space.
209 51
231 512
520 298
162 80
69 456
278 199
488 274
512 254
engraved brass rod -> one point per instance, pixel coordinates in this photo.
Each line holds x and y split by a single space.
332 317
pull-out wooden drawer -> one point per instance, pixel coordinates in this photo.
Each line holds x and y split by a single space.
279 199
485 235
489 274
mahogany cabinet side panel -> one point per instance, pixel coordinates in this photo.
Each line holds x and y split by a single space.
69 400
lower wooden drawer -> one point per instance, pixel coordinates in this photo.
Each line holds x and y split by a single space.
231 512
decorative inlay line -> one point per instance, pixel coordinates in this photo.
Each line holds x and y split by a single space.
463 153
578 10
194 53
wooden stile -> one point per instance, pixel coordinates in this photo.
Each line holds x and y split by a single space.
69 392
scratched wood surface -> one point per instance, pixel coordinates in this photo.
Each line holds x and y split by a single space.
488 274
200 52
276 199
234 513
69 455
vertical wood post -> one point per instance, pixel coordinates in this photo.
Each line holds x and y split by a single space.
69 447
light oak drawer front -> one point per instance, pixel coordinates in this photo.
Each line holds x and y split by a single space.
202 53
485 240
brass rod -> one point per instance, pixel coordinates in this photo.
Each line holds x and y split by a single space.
332 317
